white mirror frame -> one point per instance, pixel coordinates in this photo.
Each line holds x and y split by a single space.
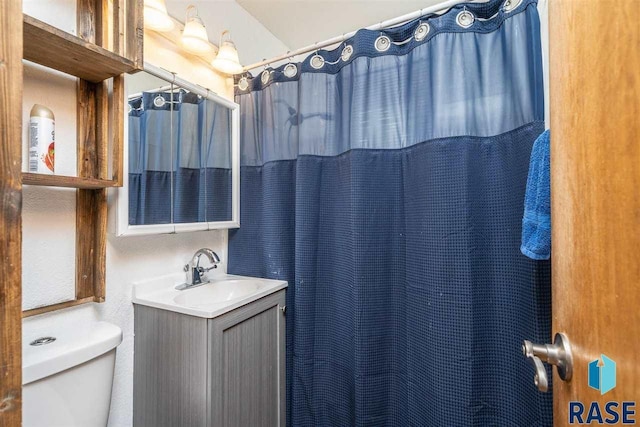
122 200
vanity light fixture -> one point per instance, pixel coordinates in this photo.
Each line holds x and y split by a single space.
227 61
194 35
156 16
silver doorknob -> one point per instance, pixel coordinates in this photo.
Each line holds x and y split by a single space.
558 354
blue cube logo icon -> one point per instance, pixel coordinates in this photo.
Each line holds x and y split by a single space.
602 374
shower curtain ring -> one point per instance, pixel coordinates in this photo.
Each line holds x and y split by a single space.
316 61
290 69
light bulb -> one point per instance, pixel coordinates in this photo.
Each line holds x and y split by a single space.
156 16
194 35
227 60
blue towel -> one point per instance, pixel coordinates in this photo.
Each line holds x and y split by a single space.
536 223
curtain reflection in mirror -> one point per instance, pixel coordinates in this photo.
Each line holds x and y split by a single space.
179 159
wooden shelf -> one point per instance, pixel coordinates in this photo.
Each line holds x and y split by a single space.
58 306
66 181
57 49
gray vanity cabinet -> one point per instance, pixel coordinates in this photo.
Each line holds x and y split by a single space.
226 371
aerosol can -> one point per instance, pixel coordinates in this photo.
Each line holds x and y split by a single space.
42 136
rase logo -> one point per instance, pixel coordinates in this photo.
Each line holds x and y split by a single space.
602 377
602 374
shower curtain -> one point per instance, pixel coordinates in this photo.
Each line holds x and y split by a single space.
179 159
384 180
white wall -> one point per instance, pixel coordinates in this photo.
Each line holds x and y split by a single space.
253 41
49 214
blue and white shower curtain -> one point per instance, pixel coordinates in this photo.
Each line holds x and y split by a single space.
384 180
179 159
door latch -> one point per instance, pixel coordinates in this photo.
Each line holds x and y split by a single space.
558 354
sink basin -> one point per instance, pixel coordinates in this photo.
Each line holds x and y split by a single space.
216 292
223 293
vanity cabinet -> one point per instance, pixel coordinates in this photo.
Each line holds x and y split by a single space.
226 371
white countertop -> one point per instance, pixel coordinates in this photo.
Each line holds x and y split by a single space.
160 293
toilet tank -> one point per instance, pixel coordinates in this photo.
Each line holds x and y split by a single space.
67 381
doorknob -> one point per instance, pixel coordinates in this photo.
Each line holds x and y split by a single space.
558 354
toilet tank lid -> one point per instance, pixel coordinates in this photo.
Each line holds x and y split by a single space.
72 347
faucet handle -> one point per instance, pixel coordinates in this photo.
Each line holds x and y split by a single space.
204 270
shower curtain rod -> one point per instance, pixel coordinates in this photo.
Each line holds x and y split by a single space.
446 5
166 88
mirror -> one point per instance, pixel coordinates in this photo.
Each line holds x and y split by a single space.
181 157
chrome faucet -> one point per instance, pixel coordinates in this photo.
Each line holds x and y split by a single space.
195 272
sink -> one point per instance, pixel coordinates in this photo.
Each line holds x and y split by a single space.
216 292
223 293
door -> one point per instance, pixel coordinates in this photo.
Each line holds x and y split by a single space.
247 358
595 186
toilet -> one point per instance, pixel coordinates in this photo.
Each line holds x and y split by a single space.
67 374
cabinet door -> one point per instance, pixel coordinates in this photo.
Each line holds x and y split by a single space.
247 359
169 369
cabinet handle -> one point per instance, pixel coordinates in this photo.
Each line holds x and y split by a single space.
283 308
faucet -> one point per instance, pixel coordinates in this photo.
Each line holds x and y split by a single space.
195 272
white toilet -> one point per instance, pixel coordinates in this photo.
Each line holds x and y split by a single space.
67 381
